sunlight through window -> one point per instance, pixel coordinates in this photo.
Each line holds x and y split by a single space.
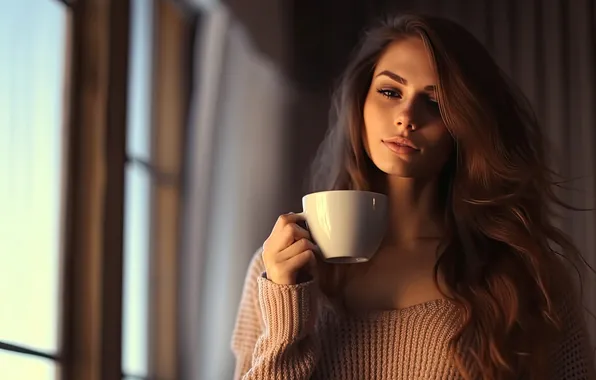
32 47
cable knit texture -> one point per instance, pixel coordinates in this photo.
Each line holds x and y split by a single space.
281 335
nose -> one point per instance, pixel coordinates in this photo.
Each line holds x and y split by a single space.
405 118
409 114
406 125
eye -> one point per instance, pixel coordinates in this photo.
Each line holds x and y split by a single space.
389 93
432 102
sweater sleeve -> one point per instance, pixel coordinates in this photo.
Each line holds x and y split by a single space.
273 336
573 357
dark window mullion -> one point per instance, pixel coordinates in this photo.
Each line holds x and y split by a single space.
162 177
26 351
68 3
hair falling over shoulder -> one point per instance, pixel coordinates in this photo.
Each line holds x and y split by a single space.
502 258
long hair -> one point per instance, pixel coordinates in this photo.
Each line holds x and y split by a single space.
500 256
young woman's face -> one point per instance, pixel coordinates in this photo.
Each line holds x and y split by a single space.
404 134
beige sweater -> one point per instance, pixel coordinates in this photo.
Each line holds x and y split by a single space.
275 338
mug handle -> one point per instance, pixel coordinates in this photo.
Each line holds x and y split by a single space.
301 215
302 218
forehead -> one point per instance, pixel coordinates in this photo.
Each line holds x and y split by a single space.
410 59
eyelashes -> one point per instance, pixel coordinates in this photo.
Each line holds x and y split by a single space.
390 93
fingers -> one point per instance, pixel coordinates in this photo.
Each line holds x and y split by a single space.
284 220
301 260
297 248
285 233
288 250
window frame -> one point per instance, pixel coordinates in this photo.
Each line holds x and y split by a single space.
91 328
94 179
93 285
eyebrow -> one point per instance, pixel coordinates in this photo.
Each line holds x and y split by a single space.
402 80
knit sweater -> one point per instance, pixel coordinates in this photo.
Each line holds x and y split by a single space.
279 334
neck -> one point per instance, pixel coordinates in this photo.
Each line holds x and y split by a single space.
414 212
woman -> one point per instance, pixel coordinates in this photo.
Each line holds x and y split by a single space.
467 284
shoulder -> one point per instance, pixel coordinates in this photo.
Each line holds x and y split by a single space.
572 355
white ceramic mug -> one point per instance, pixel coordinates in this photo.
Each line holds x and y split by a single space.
347 225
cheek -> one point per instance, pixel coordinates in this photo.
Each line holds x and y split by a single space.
440 139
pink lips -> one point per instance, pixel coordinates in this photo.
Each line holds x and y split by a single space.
400 145
400 149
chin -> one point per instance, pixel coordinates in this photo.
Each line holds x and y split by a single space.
407 165
396 168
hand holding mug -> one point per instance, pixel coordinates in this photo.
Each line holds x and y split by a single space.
288 250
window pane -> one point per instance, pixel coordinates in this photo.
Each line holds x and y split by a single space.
136 238
15 366
32 47
136 249
139 100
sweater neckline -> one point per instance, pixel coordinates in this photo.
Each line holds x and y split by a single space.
435 305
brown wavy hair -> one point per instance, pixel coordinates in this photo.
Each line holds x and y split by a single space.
500 256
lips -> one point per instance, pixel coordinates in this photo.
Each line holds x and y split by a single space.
401 141
401 145
400 149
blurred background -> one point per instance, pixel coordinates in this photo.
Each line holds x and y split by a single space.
147 147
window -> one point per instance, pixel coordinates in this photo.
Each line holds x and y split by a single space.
32 74
137 211
89 227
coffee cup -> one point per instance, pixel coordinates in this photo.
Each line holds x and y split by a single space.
348 226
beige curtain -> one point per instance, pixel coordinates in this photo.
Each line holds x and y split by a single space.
233 190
